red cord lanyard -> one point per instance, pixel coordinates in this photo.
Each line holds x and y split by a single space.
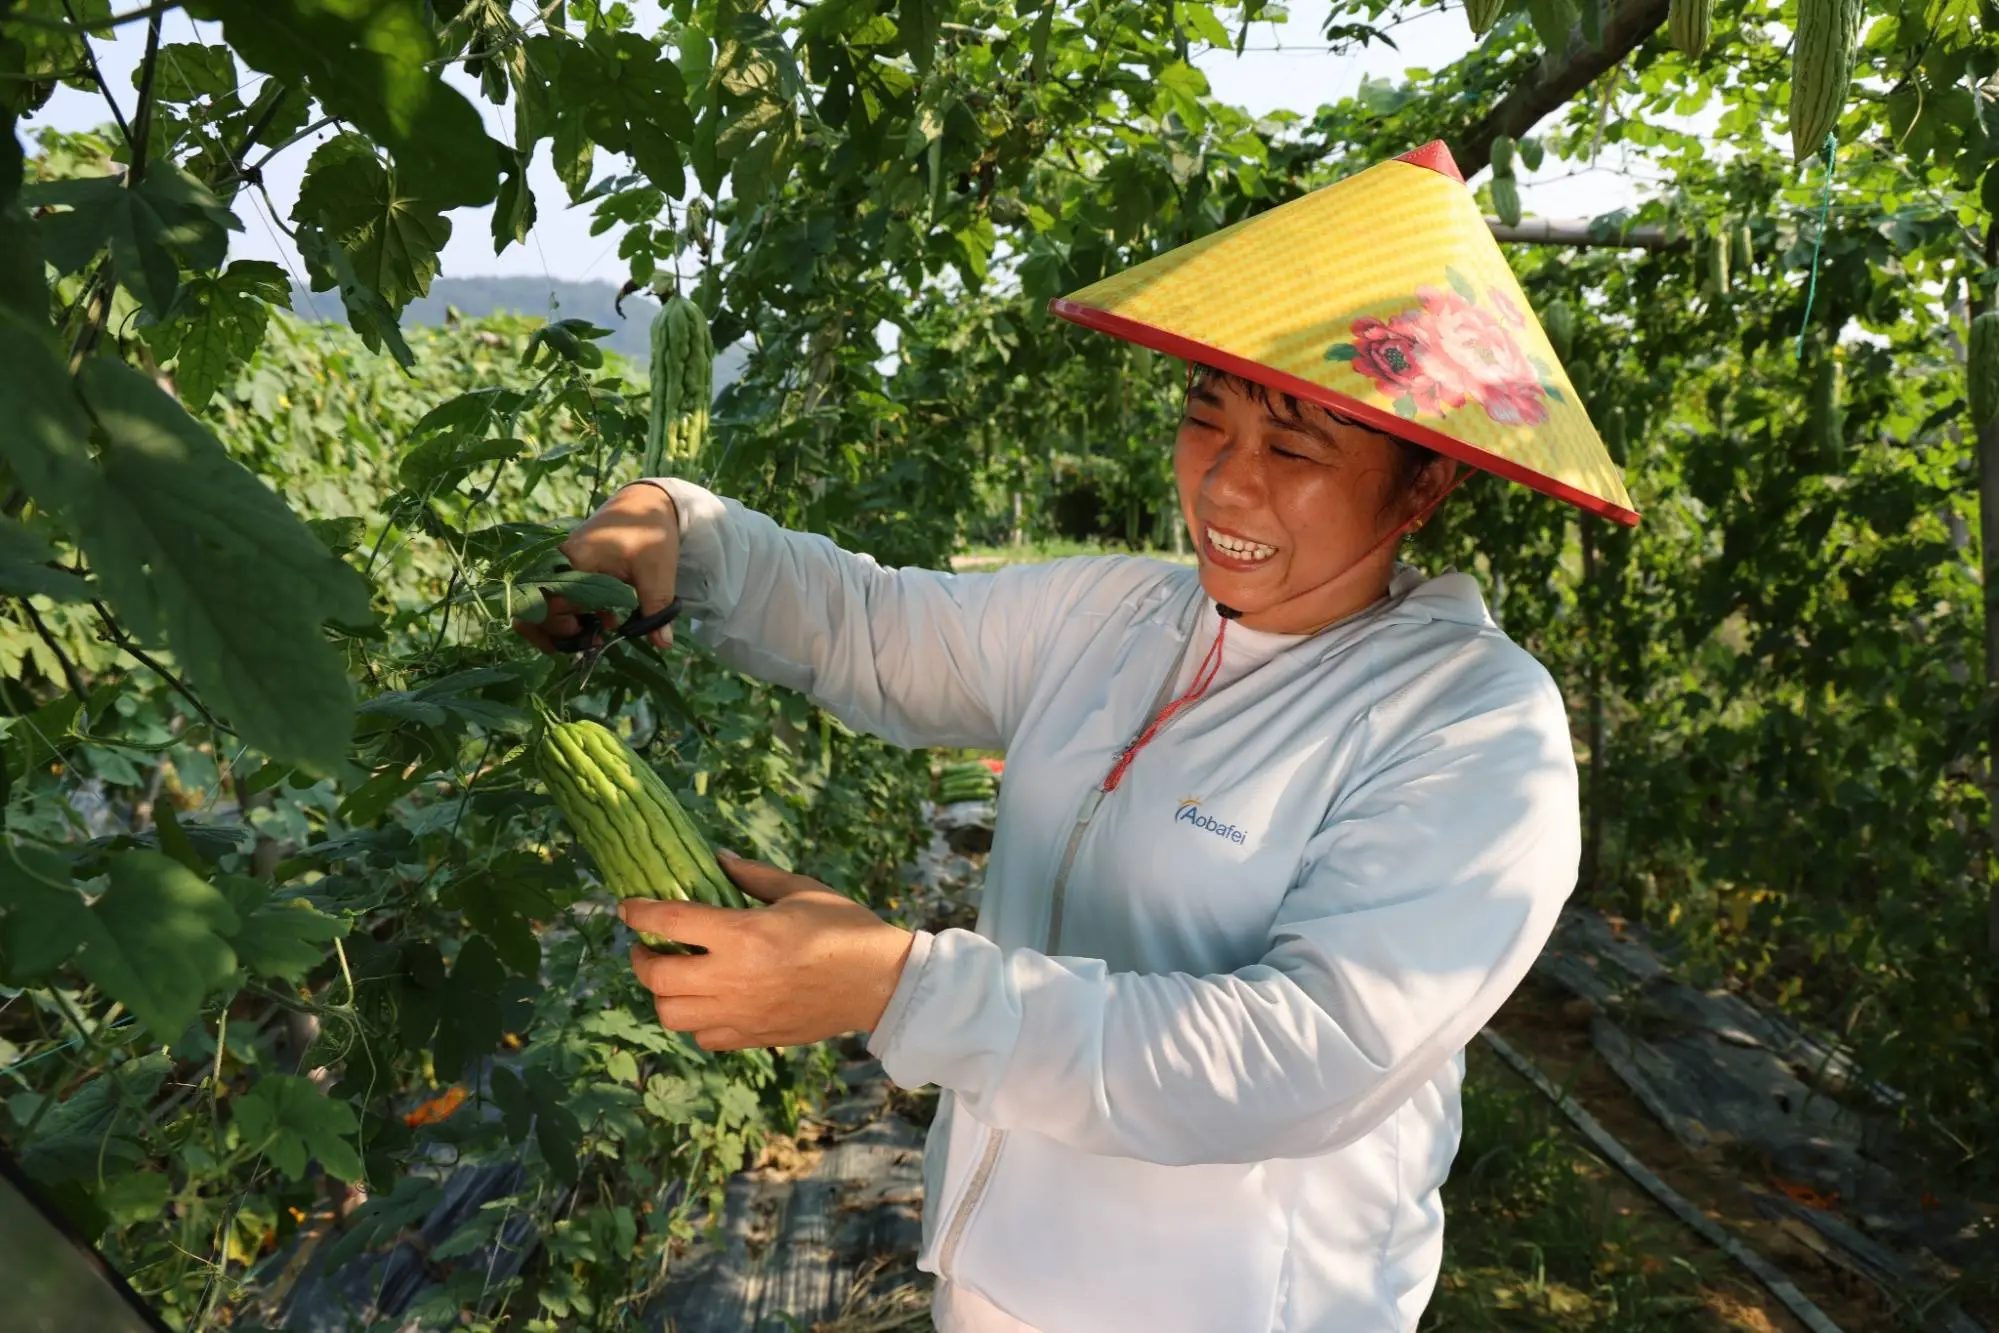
1211 666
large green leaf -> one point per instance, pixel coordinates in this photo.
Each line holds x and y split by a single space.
167 221
289 1119
43 920
276 939
514 211
367 313
23 280
390 235
46 431
218 325
630 99
190 70
36 54
159 943
92 1126
193 548
24 566
369 62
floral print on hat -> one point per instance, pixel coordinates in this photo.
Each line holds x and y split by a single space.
1449 351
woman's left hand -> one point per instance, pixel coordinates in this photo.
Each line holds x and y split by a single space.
810 966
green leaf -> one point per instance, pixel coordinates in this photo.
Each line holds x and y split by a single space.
383 1215
173 838
44 441
629 98
514 210
367 313
160 941
188 71
83 1131
1342 352
1183 89
277 939
289 1119
503 904
167 221
556 1127
1201 18
43 919
23 277
589 592
479 1007
390 235
339 535
917 21
218 325
24 566
372 799
673 1100
370 63
1460 284
190 546
137 1196
442 461
536 1104
1552 20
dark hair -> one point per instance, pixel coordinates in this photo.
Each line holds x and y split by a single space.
1410 458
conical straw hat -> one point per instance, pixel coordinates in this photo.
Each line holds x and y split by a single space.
1382 297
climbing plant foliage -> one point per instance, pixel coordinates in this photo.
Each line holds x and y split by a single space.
285 926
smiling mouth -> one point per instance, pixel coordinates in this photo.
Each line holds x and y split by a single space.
1239 551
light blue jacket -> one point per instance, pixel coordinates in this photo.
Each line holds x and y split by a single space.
1201 1070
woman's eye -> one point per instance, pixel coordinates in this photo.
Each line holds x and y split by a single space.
1286 453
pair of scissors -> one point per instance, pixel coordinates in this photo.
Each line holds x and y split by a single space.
590 641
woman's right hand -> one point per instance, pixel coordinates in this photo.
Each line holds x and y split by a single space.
635 538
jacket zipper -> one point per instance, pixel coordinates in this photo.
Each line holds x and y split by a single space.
995 1139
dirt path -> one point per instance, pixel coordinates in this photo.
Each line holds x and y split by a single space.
1553 1031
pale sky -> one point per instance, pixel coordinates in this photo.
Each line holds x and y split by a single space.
1285 66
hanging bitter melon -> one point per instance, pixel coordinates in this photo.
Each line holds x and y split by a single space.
683 382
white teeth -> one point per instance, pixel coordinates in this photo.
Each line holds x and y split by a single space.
1239 547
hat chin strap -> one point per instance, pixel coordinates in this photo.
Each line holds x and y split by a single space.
1414 521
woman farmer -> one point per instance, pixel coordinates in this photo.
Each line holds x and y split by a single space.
1278 834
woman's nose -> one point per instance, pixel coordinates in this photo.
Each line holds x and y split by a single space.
1235 476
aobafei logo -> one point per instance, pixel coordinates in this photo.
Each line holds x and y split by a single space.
1190 813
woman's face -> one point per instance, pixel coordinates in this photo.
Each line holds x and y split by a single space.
1281 506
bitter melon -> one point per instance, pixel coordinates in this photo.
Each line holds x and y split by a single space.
640 836
683 382
1558 321
1690 22
1982 369
1821 69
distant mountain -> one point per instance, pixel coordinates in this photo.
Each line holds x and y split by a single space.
551 298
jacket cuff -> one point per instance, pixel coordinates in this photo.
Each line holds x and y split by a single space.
702 515
894 1018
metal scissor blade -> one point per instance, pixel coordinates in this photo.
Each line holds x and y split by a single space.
598 643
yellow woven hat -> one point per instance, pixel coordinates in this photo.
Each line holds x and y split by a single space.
1382 297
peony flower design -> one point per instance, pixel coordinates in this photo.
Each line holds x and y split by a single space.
1395 356
1504 304
1449 351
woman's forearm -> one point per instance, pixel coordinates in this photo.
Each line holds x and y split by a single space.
913 655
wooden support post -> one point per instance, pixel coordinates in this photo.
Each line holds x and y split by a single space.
1583 233
1988 541
1592 859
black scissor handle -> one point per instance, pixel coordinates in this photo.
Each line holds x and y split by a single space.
635 628
644 625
